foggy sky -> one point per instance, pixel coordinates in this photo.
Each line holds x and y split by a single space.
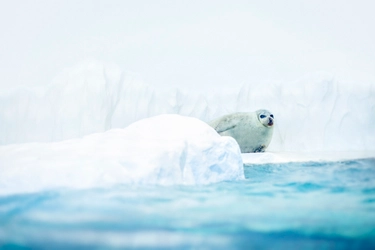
188 43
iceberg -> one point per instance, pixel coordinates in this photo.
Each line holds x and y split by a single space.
318 112
164 150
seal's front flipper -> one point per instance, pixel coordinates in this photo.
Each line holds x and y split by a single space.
260 149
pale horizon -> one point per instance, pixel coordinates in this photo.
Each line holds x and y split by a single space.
194 44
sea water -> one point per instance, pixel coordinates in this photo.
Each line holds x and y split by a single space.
308 205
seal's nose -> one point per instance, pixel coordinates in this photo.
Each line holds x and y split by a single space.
270 122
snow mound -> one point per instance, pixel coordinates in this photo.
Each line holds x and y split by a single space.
165 149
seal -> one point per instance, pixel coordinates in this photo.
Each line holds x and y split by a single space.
252 130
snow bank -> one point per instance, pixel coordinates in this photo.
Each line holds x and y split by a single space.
287 157
166 149
315 113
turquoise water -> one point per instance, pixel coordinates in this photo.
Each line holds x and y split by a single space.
278 206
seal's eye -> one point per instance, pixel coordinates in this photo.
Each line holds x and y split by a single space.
271 116
262 116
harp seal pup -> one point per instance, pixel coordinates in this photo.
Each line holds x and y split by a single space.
252 130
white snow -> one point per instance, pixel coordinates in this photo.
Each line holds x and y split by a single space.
165 149
319 112
316 156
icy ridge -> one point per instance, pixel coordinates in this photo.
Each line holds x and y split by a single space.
315 113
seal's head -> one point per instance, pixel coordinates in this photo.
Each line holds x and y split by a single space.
265 117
